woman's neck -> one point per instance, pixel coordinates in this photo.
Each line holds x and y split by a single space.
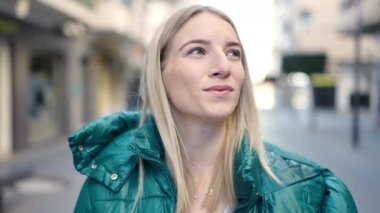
203 141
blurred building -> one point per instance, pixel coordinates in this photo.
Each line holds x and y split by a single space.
63 63
369 12
363 14
312 27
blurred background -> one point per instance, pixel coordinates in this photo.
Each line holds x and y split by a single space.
63 63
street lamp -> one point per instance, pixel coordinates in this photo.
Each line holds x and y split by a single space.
356 98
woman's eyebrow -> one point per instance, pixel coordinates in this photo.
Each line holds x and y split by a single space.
207 42
196 41
233 44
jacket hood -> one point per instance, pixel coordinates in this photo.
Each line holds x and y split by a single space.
106 149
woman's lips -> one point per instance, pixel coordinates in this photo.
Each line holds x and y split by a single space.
219 90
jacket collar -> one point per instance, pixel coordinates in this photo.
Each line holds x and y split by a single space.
148 141
247 172
250 181
247 164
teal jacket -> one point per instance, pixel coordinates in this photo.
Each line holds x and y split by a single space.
108 152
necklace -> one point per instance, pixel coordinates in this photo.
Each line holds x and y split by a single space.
197 197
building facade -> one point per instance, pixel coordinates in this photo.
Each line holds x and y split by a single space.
363 17
62 65
313 27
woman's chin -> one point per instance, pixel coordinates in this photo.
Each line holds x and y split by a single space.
219 114
207 114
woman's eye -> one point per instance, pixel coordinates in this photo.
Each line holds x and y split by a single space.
234 53
197 51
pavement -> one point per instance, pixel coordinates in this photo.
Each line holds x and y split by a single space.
323 137
54 185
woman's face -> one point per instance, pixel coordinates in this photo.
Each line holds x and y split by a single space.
203 71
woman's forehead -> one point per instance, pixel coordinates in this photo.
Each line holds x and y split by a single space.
206 26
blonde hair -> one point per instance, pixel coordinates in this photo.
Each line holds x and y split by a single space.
243 120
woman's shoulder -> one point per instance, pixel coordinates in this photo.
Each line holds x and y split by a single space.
290 158
300 176
290 169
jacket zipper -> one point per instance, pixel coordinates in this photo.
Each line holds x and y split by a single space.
163 166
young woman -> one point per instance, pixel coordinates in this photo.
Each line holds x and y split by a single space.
196 145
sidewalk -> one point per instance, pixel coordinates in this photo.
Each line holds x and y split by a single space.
328 143
54 186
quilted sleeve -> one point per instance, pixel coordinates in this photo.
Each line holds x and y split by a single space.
337 198
84 204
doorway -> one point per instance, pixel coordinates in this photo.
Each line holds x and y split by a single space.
43 107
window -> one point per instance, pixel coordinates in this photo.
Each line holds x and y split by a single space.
307 21
128 2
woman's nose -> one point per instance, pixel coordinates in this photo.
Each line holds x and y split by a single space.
221 67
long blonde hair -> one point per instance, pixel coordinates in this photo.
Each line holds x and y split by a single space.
243 120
